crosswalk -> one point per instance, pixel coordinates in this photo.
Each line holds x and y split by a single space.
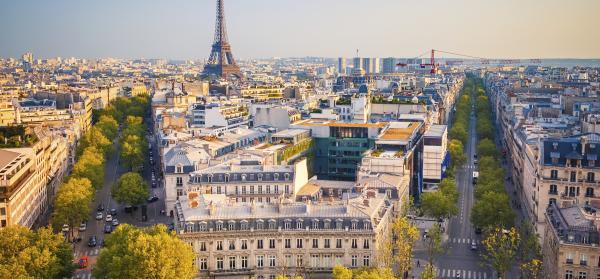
464 274
93 252
463 240
83 274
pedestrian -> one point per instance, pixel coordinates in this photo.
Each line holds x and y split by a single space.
418 263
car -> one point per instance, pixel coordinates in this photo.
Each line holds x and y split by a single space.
129 209
108 228
108 218
113 212
100 208
115 222
153 184
152 199
92 242
478 230
83 262
473 245
99 216
65 228
82 226
475 162
474 156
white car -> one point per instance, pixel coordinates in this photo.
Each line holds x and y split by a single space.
65 228
108 218
99 216
82 227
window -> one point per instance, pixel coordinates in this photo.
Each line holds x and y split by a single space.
287 225
251 189
179 181
244 244
272 224
354 223
299 243
260 261
299 224
299 261
288 260
569 274
243 190
366 244
288 243
589 192
569 258
268 189
203 264
338 243
244 261
287 189
582 275
554 174
232 244
218 189
220 263
272 243
590 177
327 224
315 224
573 177
219 226
259 244
203 246
231 262
354 261
326 245
315 243
338 260
314 260
260 189
219 245
366 261
231 226
244 225
583 259
272 260
260 224
179 169
366 225
553 189
179 192
354 243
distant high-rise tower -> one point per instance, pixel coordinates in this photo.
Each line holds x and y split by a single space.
389 65
221 62
342 65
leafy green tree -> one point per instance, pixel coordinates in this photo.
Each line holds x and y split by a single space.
406 234
72 203
486 147
91 166
492 210
132 154
373 273
153 252
448 188
530 252
459 132
485 129
438 205
34 254
95 138
130 189
108 126
433 242
500 249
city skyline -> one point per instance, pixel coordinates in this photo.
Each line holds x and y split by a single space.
184 29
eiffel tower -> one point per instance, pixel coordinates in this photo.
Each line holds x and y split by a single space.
221 62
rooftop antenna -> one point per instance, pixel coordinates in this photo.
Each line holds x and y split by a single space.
357 53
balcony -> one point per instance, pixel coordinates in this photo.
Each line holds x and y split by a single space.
552 192
582 262
231 272
569 261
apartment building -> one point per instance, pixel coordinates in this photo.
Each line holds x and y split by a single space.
250 181
225 116
261 93
435 156
259 240
571 244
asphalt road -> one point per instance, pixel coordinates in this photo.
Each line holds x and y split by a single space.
458 259
96 227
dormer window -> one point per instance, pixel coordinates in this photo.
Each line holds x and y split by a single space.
260 177
367 224
315 224
299 224
287 176
209 178
231 225
243 177
179 168
226 178
354 224
219 226
276 176
260 224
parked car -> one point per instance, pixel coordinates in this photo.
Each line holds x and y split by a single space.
100 208
152 199
108 228
65 228
473 245
115 222
113 212
99 216
82 226
108 218
92 242
154 184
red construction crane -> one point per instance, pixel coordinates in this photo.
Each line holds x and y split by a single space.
485 61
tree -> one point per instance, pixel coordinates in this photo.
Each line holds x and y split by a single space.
91 166
429 272
108 126
130 189
500 249
341 272
152 252
373 273
492 210
530 252
457 153
72 203
486 147
95 138
132 154
459 132
34 254
406 234
485 129
438 205
433 242
448 188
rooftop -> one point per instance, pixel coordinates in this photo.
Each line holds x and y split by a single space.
334 123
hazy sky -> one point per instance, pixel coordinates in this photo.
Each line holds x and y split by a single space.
182 29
